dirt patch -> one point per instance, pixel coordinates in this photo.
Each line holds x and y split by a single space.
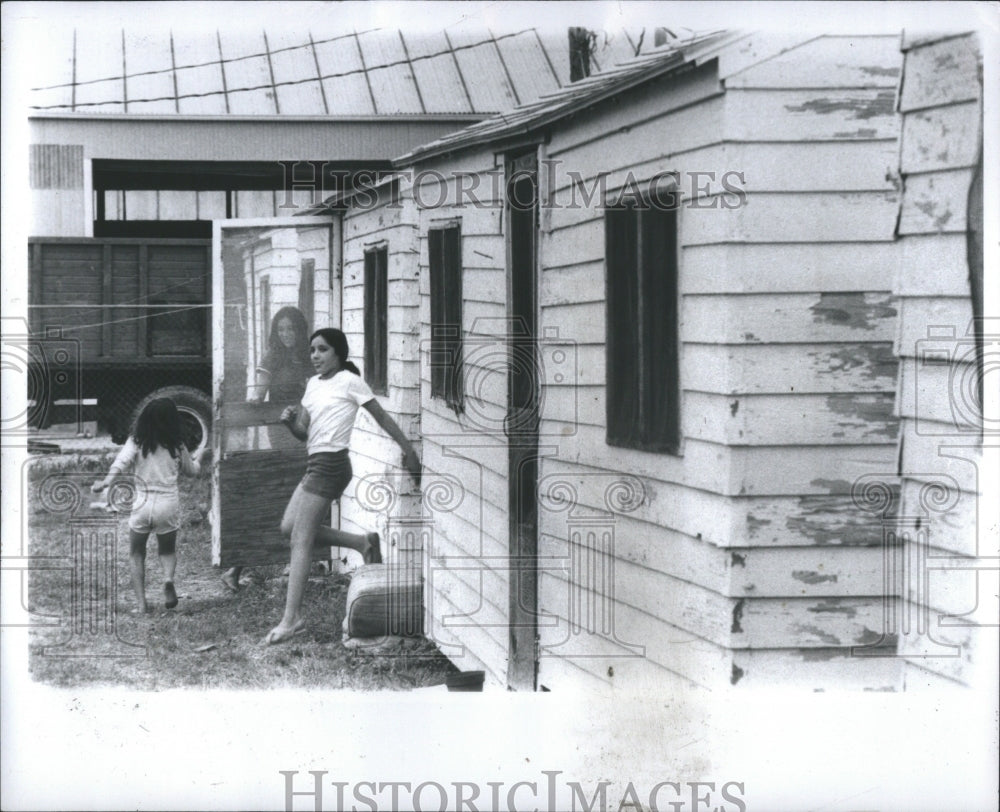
84 631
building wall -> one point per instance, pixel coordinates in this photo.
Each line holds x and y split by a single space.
941 108
465 455
59 181
745 560
382 495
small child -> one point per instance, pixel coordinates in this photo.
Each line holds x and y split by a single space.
156 454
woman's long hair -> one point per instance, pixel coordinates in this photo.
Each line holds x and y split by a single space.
299 354
338 341
158 426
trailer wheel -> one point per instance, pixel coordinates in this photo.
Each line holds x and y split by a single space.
195 411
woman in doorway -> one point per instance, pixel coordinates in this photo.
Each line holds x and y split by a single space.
282 374
281 378
324 420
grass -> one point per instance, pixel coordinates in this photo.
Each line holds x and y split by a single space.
213 639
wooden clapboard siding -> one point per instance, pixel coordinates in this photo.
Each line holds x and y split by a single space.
467 560
940 138
753 167
940 72
790 318
684 112
934 202
791 368
389 220
821 268
828 61
788 370
829 113
815 669
939 459
828 517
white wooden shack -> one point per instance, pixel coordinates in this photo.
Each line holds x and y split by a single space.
731 534
796 330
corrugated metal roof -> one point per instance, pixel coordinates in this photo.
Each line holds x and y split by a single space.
550 107
376 72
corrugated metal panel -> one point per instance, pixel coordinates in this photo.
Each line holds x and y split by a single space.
437 76
529 67
248 78
342 73
272 139
483 72
347 90
145 54
198 72
554 105
100 87
393 85
615 47
296 74
54 166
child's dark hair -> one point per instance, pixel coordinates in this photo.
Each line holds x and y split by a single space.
158 426
338 342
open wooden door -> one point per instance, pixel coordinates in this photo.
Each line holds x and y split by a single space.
264 271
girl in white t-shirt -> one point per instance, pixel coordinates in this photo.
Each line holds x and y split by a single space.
156 454
325 420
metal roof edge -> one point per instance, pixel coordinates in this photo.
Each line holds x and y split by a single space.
340 199
630 77
624 76
401 118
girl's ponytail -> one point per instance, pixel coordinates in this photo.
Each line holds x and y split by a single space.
338 343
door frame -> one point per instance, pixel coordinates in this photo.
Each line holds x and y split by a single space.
522 438
333 222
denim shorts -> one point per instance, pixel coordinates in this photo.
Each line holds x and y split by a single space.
327 474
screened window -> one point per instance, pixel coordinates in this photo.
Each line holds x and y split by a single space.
376 319
445 250
643 392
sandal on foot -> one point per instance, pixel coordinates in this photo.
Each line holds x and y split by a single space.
275 636
170 595
230 582
374 554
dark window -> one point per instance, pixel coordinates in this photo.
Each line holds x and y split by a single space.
643 393
445 249
376 319
265 313
307 286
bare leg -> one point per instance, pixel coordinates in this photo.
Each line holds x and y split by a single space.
364 543
167 543
302 517
137 560
168 554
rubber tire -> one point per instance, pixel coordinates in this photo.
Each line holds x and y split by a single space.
193 404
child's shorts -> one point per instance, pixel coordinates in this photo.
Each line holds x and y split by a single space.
327 474
157 513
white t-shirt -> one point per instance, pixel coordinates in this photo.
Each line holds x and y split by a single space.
156 473
332 405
